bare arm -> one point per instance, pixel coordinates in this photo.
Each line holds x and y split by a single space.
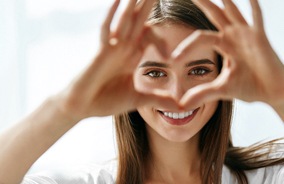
24 143
104 88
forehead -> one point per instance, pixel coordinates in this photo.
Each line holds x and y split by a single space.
173 33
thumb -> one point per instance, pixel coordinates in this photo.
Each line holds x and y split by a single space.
158 98
202 94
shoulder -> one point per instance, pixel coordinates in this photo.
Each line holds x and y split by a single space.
270 174
265 175
273 173
83 174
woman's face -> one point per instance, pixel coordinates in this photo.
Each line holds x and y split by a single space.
176 78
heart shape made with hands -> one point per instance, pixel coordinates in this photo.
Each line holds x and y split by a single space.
246 73
239 43
200 93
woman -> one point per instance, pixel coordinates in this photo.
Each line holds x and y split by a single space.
177 91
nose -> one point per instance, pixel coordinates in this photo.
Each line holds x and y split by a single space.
177 88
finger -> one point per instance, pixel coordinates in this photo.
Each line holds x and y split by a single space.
141 16
105 30
201 94
139 4
233 13
125 22
152 38
195 40
257 14
158 98
213 12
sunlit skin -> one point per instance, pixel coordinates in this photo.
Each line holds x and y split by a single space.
176 78
123 76
179 142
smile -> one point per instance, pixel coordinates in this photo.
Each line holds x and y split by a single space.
176 115
178 118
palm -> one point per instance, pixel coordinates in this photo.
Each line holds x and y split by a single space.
106 86
243 62
250 64
117 96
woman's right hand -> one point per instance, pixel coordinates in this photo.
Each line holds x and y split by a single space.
106 86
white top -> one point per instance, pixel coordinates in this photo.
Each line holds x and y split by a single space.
105 174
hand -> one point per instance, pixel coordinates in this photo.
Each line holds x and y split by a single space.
106 86
251 69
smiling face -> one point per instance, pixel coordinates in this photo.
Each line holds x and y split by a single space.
176 78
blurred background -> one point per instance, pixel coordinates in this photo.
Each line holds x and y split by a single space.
45 43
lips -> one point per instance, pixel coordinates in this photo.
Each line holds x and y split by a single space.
178 118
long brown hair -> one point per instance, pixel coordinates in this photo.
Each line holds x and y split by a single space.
215 143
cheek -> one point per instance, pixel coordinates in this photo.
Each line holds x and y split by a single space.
140 82
209 110
146 113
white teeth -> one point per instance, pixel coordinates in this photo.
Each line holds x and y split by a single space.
175 115
181 115
186 113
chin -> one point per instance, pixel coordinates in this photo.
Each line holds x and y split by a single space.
178 136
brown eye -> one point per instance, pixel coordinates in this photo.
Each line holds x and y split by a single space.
199 71
156 74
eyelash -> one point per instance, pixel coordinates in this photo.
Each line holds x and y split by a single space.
153 72
204 71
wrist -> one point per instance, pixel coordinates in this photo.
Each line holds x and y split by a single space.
61 112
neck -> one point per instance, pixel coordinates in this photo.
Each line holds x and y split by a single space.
173 161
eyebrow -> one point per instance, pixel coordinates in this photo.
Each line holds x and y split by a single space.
164 65
200 62
153 64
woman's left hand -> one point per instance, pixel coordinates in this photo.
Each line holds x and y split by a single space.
251 71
